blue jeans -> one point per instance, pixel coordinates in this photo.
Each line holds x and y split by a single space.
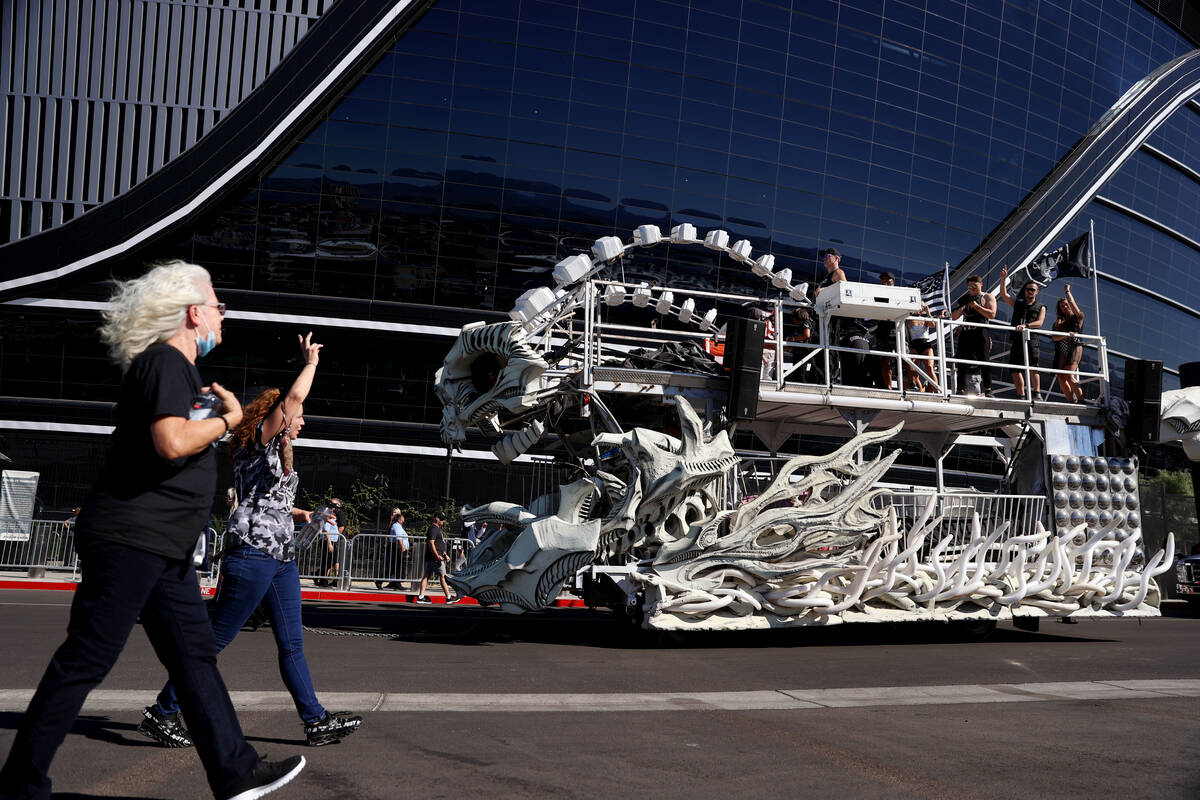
249 577
119 582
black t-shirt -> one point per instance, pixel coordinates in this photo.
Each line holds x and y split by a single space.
141 499
437 542
1023 314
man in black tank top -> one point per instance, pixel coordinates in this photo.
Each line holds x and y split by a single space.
975 344
1027 313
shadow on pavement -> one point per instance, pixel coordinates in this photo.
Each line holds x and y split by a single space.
473 626
102 729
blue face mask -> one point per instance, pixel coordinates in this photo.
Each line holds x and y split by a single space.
205 344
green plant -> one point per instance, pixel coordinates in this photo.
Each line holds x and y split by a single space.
1173 481
368 505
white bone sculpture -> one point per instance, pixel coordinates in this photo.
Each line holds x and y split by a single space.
814 549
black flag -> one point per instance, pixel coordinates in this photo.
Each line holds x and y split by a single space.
1073 259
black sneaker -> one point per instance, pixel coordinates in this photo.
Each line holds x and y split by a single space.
166 729
334 727
266 777
423 600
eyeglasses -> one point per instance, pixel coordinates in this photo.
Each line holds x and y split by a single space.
1030 289
220 307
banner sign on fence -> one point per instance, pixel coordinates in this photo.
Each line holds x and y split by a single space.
18 492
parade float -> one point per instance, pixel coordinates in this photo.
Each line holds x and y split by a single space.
660 516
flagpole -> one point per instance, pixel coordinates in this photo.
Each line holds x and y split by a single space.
948 343
1095 280
1096 306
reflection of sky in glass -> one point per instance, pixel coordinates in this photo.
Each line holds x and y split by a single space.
497 137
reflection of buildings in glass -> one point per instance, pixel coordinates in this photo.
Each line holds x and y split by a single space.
490 141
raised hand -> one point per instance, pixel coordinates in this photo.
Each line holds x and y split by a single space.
310 349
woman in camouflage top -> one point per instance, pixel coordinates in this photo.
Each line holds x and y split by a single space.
259 564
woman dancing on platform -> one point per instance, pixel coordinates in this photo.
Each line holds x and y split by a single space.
1068 350
259 564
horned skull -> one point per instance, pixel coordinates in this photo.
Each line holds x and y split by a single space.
522 566
491 369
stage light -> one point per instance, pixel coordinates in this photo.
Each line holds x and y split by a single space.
684 233
741 251
614 295
641 296
647 235
716 240
664 303
572 269
686 309
782 279
607 248
763 266
532 303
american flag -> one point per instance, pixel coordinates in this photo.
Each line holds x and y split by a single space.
933 290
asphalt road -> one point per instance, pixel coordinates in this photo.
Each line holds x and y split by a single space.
463 702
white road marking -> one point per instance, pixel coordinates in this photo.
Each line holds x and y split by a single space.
130 700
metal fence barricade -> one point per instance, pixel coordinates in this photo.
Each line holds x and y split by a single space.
378 558
50 546
958 514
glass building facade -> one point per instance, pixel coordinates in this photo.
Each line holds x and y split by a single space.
495 137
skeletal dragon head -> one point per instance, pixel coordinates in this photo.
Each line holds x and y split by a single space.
490 370
1181 419
522 566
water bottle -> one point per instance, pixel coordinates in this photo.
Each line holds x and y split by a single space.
308 534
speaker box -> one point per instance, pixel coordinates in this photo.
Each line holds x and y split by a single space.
1143 392
743 359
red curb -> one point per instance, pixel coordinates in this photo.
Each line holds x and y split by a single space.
62 586
305 594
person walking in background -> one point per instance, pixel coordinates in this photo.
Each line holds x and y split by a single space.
334 533
974 344
397 550
435 560
135 538
1068 350
259 565
1027 313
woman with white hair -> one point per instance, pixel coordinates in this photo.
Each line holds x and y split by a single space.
136 535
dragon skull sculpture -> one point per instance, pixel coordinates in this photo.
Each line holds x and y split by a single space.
491 369
1180 419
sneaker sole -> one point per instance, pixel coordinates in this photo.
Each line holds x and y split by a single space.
331 738
259 791
165 741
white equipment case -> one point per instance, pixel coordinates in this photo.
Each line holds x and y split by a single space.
868 301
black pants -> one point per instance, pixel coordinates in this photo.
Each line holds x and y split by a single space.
974 345
118 584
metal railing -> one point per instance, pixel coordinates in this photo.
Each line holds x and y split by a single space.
366 557
815 363
50 546
957 515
